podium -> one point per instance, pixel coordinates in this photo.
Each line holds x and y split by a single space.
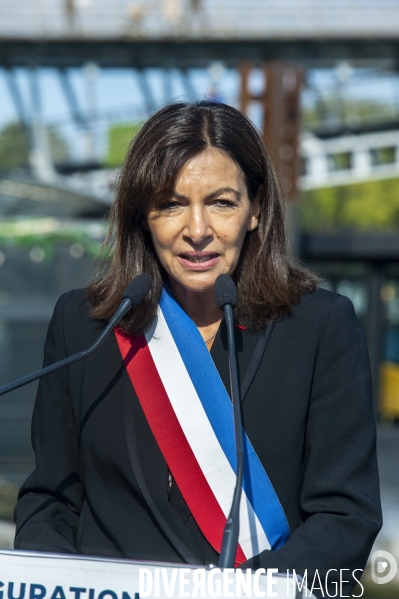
35 575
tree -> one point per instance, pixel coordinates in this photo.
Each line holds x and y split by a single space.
368 206
14 147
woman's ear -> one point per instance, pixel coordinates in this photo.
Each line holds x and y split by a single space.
255 211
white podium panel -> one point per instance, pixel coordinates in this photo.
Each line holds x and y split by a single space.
31 575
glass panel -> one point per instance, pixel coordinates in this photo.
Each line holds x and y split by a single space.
340 162
383 156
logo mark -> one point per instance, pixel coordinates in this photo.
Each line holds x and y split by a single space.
383 567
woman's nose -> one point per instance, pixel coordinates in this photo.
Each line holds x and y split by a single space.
197 227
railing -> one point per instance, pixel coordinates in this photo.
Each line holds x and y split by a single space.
349 159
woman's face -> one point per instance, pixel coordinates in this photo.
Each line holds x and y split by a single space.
199 232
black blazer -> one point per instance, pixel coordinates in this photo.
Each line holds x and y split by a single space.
100 484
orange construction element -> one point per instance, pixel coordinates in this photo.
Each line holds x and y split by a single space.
389 390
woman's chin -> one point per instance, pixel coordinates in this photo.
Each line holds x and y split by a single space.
201 283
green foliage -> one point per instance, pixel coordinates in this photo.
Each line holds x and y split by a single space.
119 139
369 206
14 147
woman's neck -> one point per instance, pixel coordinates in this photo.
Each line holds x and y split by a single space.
200 306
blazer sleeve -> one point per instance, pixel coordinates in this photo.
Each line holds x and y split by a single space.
50 500
339 500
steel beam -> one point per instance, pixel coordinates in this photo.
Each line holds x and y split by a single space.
125 53
17 98
71 98
148 96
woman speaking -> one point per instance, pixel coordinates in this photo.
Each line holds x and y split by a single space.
133 444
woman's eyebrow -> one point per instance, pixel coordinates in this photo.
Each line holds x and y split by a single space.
224 190
213 194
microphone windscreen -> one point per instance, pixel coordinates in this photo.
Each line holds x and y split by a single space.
138 289
225 291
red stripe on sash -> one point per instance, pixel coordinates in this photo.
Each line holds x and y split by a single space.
172 441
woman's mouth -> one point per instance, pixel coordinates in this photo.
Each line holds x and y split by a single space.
198 260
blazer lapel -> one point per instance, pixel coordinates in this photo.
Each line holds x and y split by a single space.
256 358
250 347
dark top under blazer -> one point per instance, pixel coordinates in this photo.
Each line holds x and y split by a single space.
100 484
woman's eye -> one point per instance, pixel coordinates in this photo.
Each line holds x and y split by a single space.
169 206
225 203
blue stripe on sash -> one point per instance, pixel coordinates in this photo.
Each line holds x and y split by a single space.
217 405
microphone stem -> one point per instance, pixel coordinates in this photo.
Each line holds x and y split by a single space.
121 311
232 527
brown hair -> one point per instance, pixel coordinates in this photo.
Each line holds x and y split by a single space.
269 284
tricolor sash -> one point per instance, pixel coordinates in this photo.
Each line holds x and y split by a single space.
191 417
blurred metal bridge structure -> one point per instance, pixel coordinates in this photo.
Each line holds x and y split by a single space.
192 33
174 34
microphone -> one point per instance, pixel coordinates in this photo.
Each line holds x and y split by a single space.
226 299
133 295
